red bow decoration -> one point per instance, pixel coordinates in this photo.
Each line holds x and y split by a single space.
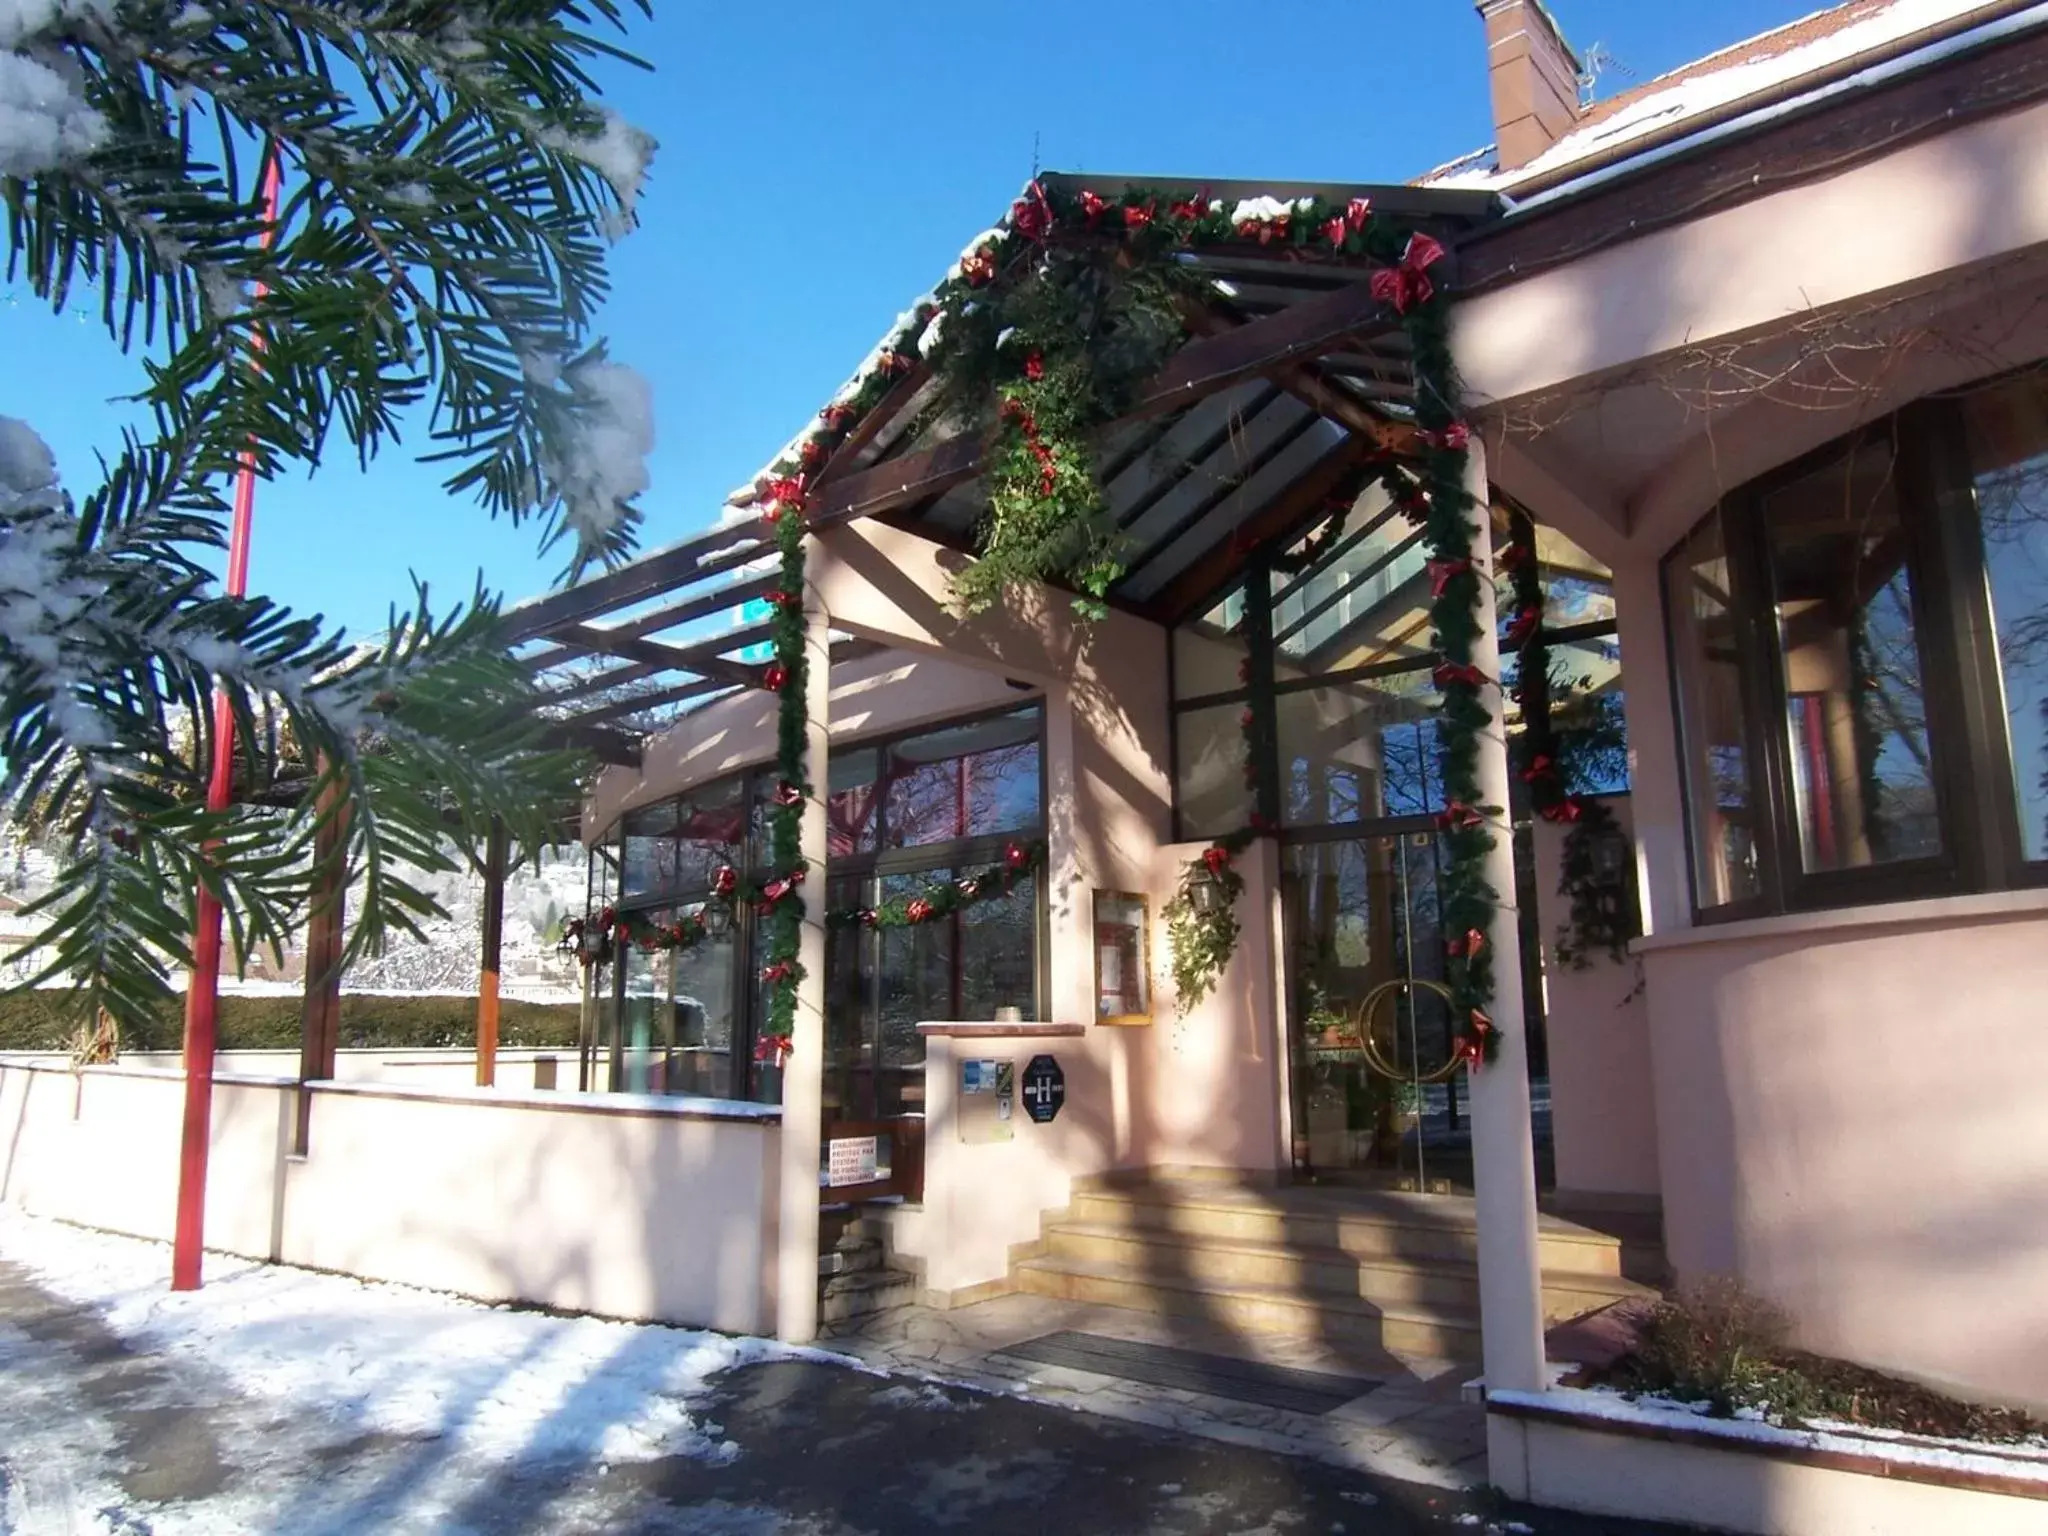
787 491
776 1048
1469 947
978 268
1247 720
1448 672
1441 572
1217 859
1357 211
1031 214
1261 824
1092 206
893 362
622 927
785 600
1527 618
1540 767
1455 438
724 880
1192 209
917 909
1137 218
1511 556
812 454
787 793
1459 817
1564 812
1471 1049
1016 855
1034 367
773 676
775 890
1266 231
867 917
781 970
837 415
1408 284
1335 230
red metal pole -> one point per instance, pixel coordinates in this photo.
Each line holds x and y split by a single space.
203 998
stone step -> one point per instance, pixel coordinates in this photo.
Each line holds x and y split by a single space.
1380 1223
1314 1273
851 1256
864 1292
1406 1328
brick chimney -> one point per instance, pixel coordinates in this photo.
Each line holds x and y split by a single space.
1534 77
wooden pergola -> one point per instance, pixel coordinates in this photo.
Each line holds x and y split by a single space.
1292 376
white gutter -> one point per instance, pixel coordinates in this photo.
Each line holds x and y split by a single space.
2018 24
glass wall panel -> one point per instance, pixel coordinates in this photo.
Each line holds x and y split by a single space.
677 1015
977 780
1209 771
1364 603
649 859
1719 787
1862 775
1209 654
710 831
853 802
1359 750
2007 432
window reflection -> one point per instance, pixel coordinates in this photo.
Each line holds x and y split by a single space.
2007 431
1862 778
1360 749
1720 797
976 780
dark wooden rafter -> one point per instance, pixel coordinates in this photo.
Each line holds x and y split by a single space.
1202 368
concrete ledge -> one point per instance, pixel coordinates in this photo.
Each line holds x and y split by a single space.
643 1105
1933 912
1599 1455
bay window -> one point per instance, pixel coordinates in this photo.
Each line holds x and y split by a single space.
1860 658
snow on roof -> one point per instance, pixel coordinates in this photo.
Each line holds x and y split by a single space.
1781 56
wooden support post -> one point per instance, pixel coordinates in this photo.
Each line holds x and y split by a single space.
493 938
320 1015
803 1076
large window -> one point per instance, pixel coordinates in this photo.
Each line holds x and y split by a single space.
1315 667
1860 648
901 815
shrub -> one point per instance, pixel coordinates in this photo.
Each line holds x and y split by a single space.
42 1020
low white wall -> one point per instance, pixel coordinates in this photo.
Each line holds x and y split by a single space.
624 1205
1727 1485
1850 1120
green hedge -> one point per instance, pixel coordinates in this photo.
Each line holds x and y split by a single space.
40 1021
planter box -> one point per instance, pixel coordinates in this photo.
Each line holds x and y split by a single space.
1597 1453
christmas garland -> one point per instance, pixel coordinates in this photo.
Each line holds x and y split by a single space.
1603 913
1202 942
635 930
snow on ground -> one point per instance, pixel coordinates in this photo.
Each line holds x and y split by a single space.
492 1382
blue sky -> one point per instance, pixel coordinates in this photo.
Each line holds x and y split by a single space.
821 164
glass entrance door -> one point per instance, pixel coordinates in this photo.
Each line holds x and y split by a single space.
1365 943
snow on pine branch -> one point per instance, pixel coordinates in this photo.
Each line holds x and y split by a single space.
599 462
618 152
45 121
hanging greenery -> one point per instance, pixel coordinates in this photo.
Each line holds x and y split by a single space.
1603 913
1202 927
942 898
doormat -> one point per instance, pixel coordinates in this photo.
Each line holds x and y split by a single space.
1156 1365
